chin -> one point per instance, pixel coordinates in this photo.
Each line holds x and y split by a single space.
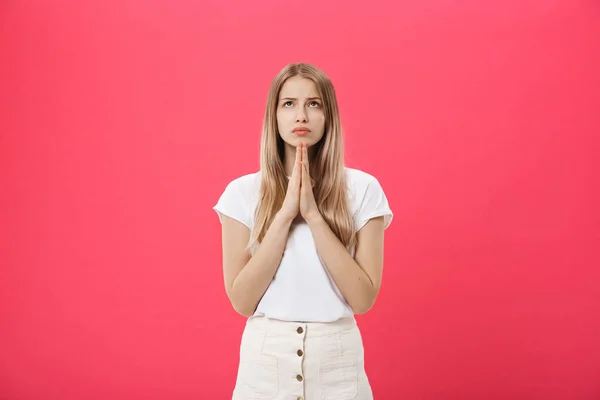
294 140
308 140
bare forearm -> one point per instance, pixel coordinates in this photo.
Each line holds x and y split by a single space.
352 281
254 279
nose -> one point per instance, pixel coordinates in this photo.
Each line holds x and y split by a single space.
301 116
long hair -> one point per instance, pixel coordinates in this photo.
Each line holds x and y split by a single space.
327 164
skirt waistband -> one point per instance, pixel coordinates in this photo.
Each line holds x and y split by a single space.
308 329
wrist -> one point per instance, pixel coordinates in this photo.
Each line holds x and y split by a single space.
283 219
314 219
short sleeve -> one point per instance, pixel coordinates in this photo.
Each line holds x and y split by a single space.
374 204
232 203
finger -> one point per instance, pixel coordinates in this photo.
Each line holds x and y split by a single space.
312 182
298 155
305 154
299 152
299 159
305 176
305 157
296 171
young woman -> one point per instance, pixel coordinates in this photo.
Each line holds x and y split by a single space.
302 250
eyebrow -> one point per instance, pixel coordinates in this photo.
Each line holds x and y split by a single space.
293 98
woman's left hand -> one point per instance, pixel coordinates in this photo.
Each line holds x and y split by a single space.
308 204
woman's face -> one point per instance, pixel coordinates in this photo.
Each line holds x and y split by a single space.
300 116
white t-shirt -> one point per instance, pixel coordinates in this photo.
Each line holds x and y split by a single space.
302 289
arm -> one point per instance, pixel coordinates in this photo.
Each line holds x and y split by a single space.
358 278
248 277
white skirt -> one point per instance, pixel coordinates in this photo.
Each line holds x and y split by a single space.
301 361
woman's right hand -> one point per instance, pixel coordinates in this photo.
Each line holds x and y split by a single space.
291 203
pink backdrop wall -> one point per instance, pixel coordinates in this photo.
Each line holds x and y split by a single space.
122 122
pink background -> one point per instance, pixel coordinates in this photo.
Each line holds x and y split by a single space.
122 122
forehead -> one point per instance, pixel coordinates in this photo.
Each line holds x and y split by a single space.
298 87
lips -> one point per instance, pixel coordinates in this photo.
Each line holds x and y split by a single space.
301 131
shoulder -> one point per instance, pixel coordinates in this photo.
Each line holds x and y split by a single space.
245 184
360 182
357 177
238 198
367 198
241 190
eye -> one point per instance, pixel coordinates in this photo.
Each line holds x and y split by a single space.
287 103
314 104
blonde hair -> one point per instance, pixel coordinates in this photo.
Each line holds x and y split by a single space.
327 164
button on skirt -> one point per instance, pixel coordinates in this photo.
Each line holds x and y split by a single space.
301 361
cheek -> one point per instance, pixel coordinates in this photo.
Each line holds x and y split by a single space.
319 119
283 117
280 119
